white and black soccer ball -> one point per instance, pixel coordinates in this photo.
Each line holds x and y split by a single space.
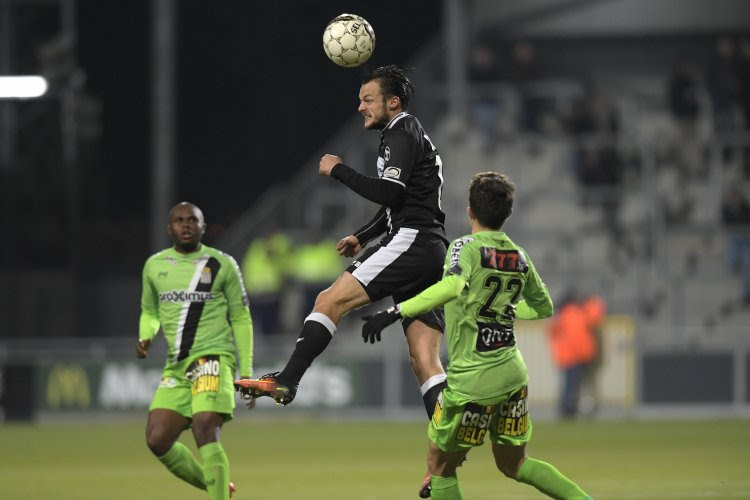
349 40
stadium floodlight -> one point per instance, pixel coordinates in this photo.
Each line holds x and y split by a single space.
22 87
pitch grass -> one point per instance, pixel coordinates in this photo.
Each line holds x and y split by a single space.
319 459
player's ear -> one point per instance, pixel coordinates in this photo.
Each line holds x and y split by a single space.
470 213
394 103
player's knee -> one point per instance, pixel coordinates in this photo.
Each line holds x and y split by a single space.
158 442
332 304
323 299
328 299
507 471
509 468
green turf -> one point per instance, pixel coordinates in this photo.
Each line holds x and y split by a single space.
296 459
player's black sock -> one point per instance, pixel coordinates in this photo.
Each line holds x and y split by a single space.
430 392
314 338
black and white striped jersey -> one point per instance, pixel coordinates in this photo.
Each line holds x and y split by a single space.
409 181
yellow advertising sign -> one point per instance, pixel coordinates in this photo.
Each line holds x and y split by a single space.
68 387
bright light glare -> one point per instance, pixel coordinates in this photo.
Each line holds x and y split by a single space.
22 87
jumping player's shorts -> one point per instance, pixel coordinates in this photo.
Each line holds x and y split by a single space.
460 425
196 384
403 264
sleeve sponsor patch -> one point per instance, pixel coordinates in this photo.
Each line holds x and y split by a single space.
456 252
392 173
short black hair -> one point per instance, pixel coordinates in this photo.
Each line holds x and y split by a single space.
393 81
491 198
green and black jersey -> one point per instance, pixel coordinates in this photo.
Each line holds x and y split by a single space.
195 297
488 282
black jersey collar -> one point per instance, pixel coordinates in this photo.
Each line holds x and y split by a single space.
393 121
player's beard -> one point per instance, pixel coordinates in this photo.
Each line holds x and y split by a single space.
377 124
187 246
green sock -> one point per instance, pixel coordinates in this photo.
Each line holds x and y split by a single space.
445 488
181 462
215 470
549 481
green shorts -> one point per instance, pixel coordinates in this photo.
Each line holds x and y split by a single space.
196 384
458 424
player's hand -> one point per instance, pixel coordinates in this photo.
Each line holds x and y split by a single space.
376 323
141 348
348 246
249 400
327 163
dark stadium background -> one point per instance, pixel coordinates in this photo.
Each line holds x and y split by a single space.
255 97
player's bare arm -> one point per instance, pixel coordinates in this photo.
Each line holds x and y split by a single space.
327 162
348 246
142 347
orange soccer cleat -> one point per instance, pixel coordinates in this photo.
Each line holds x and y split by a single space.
267 385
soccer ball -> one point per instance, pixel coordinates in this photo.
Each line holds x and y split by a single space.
348 40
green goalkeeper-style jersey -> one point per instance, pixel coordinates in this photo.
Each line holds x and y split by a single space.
488 282
195 297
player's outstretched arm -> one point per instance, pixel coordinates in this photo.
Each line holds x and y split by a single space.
428 299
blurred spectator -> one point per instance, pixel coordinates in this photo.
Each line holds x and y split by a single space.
595 310
264 271
724 88
483 69
683 95
575 347
735 214
597 165
744 74
523 72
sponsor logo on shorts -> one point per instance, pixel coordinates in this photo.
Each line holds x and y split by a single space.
437 415
204 374
185 296
513 415
475 421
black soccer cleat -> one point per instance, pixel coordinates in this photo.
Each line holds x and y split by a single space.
267 385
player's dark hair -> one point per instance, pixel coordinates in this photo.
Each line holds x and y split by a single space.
491 198
393 81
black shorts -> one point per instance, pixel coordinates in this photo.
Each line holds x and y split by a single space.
403 264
